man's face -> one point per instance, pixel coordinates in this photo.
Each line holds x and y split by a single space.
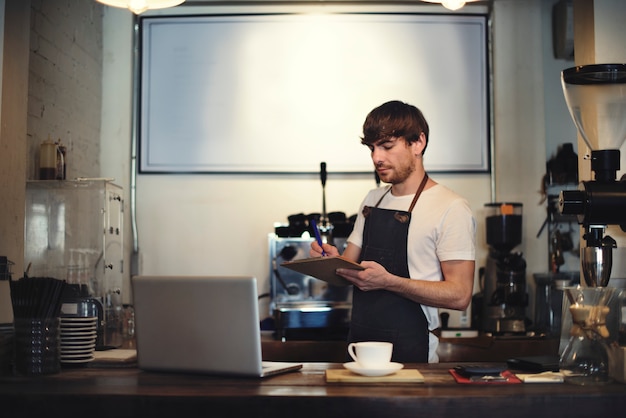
394 159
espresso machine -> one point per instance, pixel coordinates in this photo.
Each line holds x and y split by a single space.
504 287
302 306
596 98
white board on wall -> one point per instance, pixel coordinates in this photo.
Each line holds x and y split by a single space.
280 93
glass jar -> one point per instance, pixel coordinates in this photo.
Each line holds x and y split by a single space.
37 346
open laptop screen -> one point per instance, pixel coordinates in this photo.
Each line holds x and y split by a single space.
199 324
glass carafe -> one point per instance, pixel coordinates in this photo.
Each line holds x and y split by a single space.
585 359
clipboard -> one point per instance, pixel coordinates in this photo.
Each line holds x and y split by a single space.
323 268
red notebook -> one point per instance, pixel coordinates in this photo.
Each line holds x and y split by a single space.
505 378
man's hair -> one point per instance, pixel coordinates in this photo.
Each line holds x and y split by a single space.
394 119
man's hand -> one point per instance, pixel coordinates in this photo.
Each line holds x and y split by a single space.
316 250
373 277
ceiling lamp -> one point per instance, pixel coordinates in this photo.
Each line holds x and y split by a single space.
140 6
451 4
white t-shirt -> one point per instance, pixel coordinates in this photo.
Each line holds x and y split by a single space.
442 228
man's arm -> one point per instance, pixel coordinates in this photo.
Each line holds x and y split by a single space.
453 292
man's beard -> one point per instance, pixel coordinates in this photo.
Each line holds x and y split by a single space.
399 175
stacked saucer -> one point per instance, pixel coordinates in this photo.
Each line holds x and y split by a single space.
78 339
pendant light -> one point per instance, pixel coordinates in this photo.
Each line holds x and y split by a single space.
451 4
140 6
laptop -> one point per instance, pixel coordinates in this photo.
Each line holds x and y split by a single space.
200 324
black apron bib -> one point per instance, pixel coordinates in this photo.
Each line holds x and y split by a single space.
380 315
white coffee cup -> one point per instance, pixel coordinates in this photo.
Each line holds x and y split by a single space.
371 354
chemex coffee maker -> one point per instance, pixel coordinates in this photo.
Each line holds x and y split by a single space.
596 98
504 288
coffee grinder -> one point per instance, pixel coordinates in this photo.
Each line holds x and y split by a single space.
504 288
596 98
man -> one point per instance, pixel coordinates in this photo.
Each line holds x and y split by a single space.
415 238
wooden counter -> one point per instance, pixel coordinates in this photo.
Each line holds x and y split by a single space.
129 392
482 348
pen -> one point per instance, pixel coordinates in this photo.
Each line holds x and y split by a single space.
318 237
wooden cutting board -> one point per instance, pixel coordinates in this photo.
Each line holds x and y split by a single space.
114 356
401 376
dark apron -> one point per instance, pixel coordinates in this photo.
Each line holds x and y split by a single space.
380 315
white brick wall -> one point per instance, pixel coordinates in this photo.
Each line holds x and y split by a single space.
65 83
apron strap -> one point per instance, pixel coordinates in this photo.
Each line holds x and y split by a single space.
381 198
419 192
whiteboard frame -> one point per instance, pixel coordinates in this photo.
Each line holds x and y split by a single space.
474 153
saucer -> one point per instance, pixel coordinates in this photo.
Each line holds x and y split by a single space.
389 368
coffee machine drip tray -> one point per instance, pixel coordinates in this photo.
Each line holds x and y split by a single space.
312 321
505 324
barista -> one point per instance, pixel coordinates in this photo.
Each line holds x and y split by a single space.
415 238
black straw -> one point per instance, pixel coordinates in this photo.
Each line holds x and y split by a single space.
37 297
